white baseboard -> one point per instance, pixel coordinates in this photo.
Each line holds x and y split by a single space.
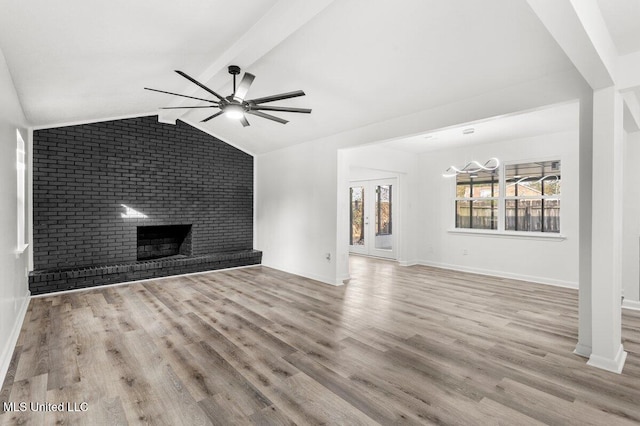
7 351
408 263
335 281
501 274
631 304
614 365
345 278
582 350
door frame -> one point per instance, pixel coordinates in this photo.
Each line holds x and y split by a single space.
369 249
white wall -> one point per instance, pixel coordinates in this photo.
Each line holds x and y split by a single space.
302 191
541 260
631 219
13 283
298 218
296 210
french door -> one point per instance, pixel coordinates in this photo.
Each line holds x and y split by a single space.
372 213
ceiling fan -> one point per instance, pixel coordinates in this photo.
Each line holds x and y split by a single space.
235 105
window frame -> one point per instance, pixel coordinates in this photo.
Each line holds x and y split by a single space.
541 197
378 211
21 193
471 199
502 198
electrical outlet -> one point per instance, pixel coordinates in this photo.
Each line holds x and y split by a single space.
465 252
328 257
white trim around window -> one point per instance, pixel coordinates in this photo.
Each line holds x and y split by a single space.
501 208
21 194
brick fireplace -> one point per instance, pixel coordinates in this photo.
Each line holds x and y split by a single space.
101 188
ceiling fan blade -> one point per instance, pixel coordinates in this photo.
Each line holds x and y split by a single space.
283 109
212 116
194 81
274 98
267 116
200 106
184 96
243 87
244 121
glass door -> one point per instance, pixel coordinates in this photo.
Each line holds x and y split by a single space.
357 237
372 213
383 216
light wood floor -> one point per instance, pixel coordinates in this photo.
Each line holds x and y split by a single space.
413 345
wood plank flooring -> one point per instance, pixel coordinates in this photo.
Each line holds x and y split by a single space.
397 345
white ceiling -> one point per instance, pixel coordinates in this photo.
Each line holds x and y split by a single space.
360 62
81 60
622 18
555 119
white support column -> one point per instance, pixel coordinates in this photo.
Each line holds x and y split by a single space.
607 351
583 347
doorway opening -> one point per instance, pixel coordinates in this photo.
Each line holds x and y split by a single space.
373 205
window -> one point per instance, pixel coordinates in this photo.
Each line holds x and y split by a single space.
356 236
532 197
522 197
21 168
477 200
383 210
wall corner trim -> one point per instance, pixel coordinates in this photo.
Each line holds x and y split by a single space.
166 120
615 364
7 351
582 350
631 304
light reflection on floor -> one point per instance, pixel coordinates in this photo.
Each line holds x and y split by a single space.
371 286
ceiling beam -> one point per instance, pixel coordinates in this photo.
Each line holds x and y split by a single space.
579 28
282 20
629 71
631 118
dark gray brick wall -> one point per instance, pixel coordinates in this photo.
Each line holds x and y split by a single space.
82 175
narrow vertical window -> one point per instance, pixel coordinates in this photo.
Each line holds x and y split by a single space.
356 236
21 170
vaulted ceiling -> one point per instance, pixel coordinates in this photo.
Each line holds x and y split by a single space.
359 61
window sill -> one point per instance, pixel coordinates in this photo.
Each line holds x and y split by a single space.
510 234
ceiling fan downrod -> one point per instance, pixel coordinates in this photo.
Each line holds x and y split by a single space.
234 70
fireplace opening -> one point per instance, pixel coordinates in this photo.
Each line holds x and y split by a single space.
156 242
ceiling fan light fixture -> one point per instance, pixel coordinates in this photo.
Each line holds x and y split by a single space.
233 111
235 106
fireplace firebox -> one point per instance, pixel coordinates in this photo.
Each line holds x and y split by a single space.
156 242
